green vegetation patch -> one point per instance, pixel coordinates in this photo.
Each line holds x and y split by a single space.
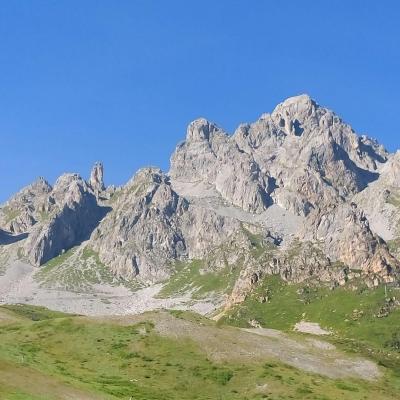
34 313
95 359
365 314
259 246
201 280
57 261
394 246
364 321
191 276
78 270
43 216
394 199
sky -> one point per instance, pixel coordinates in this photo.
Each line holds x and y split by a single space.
118 81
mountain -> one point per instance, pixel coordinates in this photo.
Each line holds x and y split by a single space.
296 193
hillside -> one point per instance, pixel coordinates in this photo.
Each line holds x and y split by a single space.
175 356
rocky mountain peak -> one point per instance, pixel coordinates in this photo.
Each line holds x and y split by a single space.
23 210
144 177
300 155
147 174
293 112
65 180
41 184
72 214
37 188
300 104
299 163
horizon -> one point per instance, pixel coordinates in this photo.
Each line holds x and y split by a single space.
119 84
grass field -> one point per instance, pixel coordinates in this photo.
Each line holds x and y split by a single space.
49 355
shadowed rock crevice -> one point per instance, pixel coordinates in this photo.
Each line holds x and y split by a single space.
363 176
8 238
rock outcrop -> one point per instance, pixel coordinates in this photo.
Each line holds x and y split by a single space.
345 235
151 225
74 215
26 208
381 200
97 178
210 155
302 262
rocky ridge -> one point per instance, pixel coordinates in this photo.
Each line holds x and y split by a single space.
299 180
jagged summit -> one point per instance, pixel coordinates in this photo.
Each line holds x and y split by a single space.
302 103
303 98
201 129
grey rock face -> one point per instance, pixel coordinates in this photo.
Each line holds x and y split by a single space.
381 200
26 208
75 214
210 155
151 225
141 231
97 178
345 235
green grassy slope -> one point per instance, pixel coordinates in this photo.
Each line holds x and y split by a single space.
365 321
78 269
188 277
47 355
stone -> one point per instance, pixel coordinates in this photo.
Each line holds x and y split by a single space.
96 178
75 214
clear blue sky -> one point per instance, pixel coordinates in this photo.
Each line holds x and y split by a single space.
118 81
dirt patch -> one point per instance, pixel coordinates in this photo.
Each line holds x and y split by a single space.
311 327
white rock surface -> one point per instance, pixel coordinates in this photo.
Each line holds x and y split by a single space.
311 327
